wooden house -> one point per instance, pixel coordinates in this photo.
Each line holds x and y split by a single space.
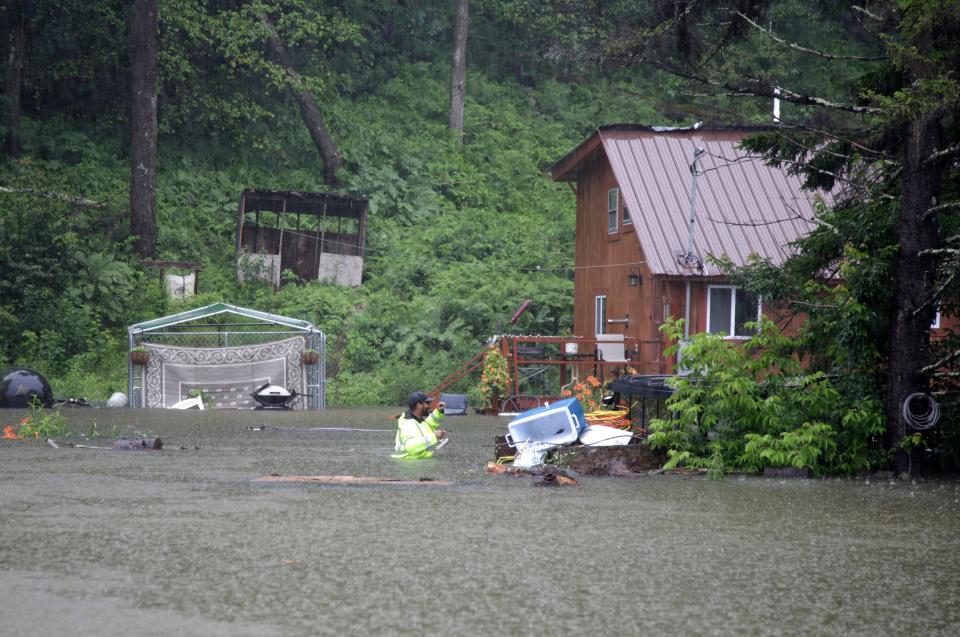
653 205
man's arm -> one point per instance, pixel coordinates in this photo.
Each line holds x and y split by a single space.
435 419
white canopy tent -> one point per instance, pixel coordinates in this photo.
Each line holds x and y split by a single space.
224 353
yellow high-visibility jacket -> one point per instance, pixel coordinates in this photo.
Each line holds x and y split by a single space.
416 438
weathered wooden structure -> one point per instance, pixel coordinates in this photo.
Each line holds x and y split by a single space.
315 235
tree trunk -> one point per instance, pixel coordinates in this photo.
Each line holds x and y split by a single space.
458 73
914 280
143 121
309 111
13 85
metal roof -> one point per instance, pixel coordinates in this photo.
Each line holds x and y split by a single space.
319 204
220 308
743 206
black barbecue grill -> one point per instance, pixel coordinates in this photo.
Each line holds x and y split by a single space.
273 397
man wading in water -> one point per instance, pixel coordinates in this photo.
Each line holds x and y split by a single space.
418 430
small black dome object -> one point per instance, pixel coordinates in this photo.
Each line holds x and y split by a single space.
18 386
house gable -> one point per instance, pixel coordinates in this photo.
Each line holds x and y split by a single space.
743 207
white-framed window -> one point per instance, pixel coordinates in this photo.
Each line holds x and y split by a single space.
613 199
627 221
729 309
600 314
936 321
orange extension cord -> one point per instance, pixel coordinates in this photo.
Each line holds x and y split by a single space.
616 418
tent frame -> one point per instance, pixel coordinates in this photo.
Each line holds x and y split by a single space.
261 326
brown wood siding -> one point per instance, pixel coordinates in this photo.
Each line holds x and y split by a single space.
604 262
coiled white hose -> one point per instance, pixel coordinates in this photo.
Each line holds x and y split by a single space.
920 419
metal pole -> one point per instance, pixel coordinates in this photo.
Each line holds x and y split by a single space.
688 260
129 370
323 371
694 172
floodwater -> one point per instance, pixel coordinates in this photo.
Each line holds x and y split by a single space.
184 541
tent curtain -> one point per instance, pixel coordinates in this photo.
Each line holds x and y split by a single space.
225 375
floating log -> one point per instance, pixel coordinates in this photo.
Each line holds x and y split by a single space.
557 479
141 444
298 430
494 469
545 476
353 480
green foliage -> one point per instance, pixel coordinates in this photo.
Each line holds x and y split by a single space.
842 282
94 374
745 406
42 422
68 282
810 446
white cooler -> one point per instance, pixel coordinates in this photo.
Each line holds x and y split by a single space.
558 424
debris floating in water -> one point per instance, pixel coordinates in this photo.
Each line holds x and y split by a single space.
352 480
141 444
545 476
123 444
302 429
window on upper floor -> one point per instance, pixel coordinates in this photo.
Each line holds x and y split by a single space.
729 309
613 199
627 221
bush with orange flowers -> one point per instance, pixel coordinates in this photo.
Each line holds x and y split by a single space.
42 422
495 376
589 392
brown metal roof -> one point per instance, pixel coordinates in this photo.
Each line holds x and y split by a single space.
319 204
743 206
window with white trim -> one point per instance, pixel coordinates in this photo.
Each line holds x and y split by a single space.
600 314
627 221
613 198
729 309
936 321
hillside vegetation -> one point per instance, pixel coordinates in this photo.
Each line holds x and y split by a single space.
458 237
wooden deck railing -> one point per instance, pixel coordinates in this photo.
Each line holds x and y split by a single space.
643 356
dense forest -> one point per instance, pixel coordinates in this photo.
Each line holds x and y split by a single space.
131 129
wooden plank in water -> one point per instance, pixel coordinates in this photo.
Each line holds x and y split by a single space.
353 480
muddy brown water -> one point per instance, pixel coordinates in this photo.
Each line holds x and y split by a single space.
184 541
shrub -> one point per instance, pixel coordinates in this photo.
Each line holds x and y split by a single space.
749 405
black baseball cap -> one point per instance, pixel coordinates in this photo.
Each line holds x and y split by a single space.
418 397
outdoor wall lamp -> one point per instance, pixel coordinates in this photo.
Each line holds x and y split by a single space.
633 279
